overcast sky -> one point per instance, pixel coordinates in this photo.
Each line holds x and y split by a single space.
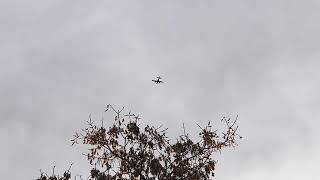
63 60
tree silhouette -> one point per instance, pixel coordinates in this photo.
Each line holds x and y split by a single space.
126 151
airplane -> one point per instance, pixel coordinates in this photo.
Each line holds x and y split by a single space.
158 80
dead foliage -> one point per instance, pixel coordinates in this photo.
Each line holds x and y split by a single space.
127 151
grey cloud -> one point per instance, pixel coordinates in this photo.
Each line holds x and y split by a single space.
61 61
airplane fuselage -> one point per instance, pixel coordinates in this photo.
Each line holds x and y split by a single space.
158 80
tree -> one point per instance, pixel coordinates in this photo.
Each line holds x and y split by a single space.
125 151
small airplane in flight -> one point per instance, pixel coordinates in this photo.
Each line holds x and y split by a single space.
158 80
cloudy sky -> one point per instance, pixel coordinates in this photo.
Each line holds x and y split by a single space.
63 60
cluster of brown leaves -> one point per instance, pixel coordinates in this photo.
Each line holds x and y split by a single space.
126 151
66 175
